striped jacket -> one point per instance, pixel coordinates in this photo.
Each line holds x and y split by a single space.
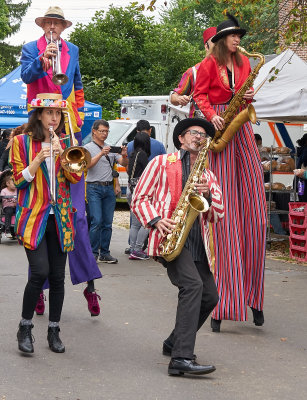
33 198
157 194
39 81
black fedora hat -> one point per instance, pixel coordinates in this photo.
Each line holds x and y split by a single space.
227 27
186 123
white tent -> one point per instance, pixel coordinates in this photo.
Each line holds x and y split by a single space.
285 98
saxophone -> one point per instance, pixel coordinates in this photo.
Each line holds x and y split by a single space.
232 125
190 204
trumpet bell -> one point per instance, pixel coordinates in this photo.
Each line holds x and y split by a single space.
75 159
59 79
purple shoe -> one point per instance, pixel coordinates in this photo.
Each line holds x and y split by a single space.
92 301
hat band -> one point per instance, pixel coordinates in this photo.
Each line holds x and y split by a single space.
228 29
54 16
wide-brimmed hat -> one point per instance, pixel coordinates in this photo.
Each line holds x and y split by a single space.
186 123
227 27
53 12
46 100
208 33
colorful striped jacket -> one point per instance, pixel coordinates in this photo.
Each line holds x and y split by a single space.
33 198
157 194
187 84
39 81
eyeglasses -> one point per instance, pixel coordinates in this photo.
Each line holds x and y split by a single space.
104 131
194 132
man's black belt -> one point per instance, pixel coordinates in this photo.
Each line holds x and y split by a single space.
101 183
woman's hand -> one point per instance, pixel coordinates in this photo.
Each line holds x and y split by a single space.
56 146
249 94
218 122
43 154
203 187
165 226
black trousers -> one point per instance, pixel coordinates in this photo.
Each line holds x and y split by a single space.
8 212
47 261
197 297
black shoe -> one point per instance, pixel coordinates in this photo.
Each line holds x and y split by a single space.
258 317
55 343
167 350
25 338
108 259
127 250
179 366
216 325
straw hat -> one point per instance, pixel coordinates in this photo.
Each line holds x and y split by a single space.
45 100
56 13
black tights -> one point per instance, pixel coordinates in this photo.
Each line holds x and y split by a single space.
47 261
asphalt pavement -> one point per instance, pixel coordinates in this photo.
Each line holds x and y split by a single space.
117 355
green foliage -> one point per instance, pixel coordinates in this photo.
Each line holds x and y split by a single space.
123 52
11 14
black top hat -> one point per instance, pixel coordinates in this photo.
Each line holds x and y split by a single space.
186 123
227 27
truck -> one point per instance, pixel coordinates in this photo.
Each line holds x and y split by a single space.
163 116
160 113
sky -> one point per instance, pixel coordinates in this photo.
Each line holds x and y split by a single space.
74 10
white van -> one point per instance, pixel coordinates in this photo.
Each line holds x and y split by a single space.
160 113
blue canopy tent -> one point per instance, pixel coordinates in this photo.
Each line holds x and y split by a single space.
13 110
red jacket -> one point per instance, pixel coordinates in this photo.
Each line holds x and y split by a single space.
212 85
157 194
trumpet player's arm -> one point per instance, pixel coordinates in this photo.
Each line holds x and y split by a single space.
181 95
33 64
23 173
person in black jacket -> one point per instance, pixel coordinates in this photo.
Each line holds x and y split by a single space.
302 162
137 163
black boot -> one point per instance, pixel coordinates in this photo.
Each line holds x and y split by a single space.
258 317
216 325
55 343
25 338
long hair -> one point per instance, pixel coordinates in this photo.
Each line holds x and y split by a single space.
35 126
142 142
220 51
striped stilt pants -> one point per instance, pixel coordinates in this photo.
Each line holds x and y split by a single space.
239 239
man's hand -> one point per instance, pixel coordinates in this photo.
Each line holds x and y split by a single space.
203 187
165 226
51 50
124 151
105 151
117 188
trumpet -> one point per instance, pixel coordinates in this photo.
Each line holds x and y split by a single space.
58 77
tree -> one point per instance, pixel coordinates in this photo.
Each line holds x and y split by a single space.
11 14
124 52
259 18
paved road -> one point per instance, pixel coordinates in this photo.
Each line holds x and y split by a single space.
117 356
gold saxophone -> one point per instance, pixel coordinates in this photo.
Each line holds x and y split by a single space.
233 124
190 204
